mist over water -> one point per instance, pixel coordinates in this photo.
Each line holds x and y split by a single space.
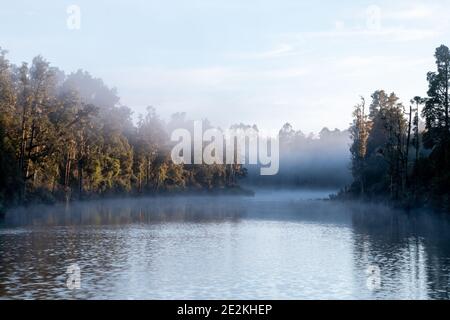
321 161
276 245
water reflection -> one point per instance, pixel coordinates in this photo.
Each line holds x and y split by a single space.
124 212
412 251
274 246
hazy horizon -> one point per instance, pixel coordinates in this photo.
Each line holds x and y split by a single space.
238 62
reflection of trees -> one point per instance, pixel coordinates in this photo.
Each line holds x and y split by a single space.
136 211
412 250
36 266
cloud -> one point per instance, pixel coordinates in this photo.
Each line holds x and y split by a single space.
207 77
392 34
282 50
380 67
418 11
391 23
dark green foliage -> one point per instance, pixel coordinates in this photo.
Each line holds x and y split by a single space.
65 137
405 163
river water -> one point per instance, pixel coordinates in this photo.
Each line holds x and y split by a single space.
276 245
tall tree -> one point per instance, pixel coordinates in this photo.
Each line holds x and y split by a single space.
9 179
436 111
360 133
437 134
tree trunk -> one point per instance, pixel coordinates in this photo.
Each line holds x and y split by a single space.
140 181
28 160
408 141
23 142
81 167
80 178
67 177
446 99
147 169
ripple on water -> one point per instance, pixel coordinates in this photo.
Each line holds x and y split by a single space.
238 249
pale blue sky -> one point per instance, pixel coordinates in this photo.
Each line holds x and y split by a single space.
263 62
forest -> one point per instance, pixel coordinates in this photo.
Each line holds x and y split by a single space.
68 137
401 153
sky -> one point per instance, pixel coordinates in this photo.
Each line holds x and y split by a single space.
257 62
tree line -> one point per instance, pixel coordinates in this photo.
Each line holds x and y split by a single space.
66 137
402 153
308 160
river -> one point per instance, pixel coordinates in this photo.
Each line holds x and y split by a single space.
276 245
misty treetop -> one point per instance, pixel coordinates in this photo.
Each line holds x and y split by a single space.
66 137
394 155
308 160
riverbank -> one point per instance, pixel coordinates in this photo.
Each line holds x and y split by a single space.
191 192
405 204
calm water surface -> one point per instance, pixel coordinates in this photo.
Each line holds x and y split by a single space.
277 245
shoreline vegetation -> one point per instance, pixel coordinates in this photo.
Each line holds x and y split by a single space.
398 159
67 137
